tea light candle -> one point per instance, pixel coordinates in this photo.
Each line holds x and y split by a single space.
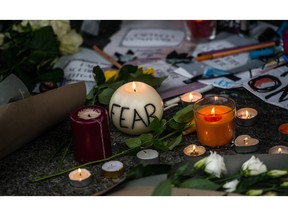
113 169
132 107
148 156
246 144
190 97
90 133
214 118
194 150
80 177
246 116
278 149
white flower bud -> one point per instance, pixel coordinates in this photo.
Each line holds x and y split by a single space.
215 165
253 167
277 173
254 192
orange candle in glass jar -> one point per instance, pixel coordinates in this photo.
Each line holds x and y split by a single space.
215 123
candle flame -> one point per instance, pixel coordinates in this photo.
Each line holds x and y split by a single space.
215 98
279 150
213 111
245 140
191 97
247 115
79 171
193 148
134 86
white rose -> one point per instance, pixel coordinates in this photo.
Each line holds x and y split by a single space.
215 165
253 167
60 27
231 186
70 42
35 24
1 39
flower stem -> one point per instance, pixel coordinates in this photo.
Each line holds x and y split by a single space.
83 165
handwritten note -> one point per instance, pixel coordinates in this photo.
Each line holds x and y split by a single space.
153 38
272 87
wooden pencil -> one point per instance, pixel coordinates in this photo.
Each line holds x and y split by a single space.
106 56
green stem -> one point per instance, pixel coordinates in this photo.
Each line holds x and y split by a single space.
169 135
82 165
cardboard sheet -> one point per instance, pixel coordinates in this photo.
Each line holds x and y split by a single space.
24 120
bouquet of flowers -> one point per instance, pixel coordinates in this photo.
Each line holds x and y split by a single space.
30 49
209 173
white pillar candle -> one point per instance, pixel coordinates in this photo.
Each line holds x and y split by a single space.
80 177
148 156
132 107
113 169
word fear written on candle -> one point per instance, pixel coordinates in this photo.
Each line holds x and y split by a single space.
194 150
246 116
133 106
191 97
113 169
80 177
246 144
214 118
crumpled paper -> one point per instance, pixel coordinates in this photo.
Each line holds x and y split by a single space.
24 120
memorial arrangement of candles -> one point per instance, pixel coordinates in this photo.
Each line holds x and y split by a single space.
132 107
246 144
214 118
194 150
80 177
278 149
246 116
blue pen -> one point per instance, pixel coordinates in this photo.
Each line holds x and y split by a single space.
256 54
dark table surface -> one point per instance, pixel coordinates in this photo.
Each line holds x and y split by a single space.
32 161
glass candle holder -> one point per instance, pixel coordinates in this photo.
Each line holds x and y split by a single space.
200 30
215 120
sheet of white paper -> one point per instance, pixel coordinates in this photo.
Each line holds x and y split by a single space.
147 39
271 87
79 66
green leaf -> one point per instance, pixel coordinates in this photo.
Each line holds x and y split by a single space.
125 71
133 142
176 125
146 139
184 115
105 96
55 75
199 183
163 189
157 125
172 144
98 75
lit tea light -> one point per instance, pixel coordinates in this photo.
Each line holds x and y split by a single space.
80 177
278 149
148 156
194 150
113 169
246 116
246 144
191 97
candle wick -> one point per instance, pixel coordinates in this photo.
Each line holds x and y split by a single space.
134 90
89 115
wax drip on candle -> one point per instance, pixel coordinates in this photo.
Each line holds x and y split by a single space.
213 117
194 153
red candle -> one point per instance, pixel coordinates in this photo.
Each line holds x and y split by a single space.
90 133
201 29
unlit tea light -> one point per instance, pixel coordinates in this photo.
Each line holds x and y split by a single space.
80 177
278 149
148 156
194 150
113 169
246 116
